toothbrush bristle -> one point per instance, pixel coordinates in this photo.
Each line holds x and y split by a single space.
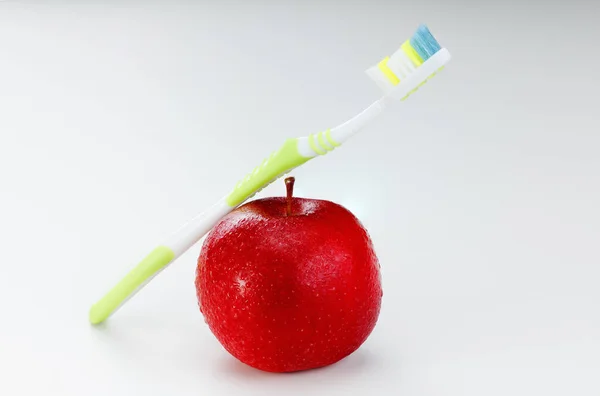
424 43
410 66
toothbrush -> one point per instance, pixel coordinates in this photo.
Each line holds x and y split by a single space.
399 75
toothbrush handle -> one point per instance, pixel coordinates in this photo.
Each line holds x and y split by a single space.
280 162
156 261
139 276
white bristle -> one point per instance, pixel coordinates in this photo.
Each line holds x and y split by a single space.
399 64
399 61
398 68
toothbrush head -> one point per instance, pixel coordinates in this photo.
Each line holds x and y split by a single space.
418 59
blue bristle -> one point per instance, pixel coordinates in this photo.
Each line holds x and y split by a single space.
424 43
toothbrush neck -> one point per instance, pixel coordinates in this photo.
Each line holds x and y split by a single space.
344 131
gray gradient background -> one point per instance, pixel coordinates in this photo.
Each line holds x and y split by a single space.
119 122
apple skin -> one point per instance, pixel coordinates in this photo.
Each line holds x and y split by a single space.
285 293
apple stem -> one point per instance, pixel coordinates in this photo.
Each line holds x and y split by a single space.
289 186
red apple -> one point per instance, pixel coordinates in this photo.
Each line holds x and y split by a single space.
289 284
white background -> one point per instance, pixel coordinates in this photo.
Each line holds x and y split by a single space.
481 192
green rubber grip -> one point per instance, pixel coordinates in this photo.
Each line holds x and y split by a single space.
280 162
158 259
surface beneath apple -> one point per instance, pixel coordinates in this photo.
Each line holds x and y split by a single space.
288 284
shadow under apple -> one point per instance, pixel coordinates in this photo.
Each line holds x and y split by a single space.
353 365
